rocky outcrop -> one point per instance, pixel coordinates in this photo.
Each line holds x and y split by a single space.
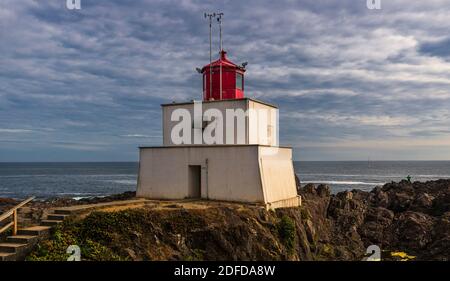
398 217
406 220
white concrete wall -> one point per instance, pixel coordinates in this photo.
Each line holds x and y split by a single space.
233 172
277 173
248 173
262 124
257 131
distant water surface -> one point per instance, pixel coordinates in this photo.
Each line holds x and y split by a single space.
345 175
75 180
79 180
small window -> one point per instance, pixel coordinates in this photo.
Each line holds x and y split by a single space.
204 82
239 82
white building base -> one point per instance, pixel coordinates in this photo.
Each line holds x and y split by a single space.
236 173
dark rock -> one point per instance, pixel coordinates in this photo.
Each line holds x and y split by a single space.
132 254
414 230
424 201
323 190
383 199
402 201
310 230
8 201
298 184
407 217
309 189
377 220
441 204
439 249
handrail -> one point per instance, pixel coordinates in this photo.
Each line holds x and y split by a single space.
13 212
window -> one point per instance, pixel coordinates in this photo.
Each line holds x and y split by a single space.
204 82
239 81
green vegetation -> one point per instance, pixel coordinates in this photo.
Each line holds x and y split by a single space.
118 235
197 255
286 231
96 235
304 214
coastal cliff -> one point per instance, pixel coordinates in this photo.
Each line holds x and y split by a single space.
408 221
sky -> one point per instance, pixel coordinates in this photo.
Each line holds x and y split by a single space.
351 83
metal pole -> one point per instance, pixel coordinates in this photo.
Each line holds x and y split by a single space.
210 16
210 58
219 19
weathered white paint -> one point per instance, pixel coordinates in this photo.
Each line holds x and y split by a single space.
241 173
247 168
256 127
277 173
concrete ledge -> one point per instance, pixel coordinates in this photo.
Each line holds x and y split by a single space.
285 203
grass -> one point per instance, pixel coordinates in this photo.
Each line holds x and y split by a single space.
286 231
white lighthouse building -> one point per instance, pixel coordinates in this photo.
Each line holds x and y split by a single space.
224 147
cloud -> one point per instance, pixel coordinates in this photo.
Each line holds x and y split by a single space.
15 131
139 136
338 71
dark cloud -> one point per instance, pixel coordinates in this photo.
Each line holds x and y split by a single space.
87 84
440 48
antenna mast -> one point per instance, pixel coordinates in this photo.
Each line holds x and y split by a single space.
219 20
210 16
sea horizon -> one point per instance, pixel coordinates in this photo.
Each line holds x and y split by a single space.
137 161
79 180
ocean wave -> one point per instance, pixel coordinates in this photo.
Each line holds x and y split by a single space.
375 175
344 182
68 175
76 193
79 195
84 197
431 176
127 182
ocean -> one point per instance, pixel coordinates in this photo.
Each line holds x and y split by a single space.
365 175
81 180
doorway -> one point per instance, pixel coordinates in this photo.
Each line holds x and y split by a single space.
195 172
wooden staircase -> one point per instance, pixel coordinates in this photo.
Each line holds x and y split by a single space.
17 246
22 241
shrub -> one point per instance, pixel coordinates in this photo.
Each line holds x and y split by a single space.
89 234
286 231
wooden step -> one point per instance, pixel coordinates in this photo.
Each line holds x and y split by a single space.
4 256
50 222
25 239
62 212
34 230
11 247
57 217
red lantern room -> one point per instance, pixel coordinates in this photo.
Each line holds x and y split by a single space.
227 80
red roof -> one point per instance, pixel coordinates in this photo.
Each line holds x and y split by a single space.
223 60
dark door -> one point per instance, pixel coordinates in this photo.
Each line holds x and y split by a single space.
195 181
